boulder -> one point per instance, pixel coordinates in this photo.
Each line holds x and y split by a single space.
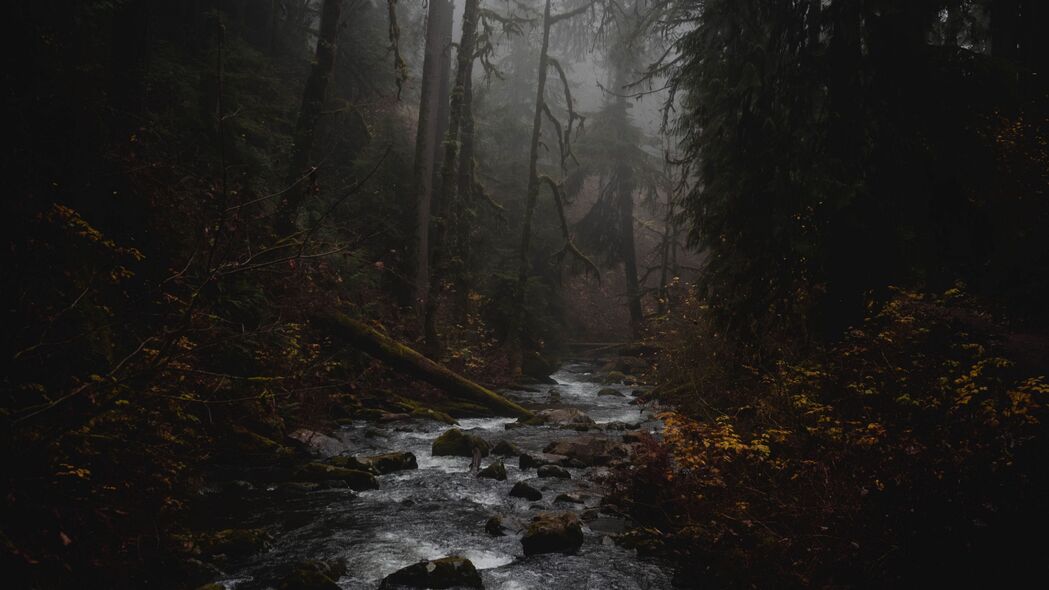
313 575
614 377
351 462
322 472
553 471
494 471
609 392
319 443
523 490
456 443
559 532
505 448
494 526
587 448
446 572
564 416
530 460
390 462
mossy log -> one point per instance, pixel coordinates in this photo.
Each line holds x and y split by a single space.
405 359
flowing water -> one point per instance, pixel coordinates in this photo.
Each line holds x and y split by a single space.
440 508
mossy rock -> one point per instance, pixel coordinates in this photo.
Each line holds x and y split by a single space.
370 414
553 471
349 462
495 471
523 490
446 572
553 533
505 448
234 543
609 392
455 443
615 377
313 575
321 472
390 462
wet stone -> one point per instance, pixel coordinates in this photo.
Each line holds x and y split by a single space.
523 490
553 471
495 471
446 572
553 533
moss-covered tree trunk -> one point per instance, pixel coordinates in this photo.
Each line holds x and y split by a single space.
312 104
403 358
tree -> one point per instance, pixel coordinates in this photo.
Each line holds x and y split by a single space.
309 114
433 121
563 136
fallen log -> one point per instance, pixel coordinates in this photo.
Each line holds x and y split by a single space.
403 358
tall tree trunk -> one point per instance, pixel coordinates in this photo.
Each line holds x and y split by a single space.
446 195
432 105
625 180
466 199
312 104
533 191
669 235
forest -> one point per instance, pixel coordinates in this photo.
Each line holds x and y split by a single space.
525 294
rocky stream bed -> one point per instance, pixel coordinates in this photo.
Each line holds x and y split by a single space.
398 504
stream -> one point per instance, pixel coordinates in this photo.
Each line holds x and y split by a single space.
440 509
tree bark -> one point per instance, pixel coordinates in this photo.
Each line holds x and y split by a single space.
312 104
626 238
402 358
533 188
446 195
432 120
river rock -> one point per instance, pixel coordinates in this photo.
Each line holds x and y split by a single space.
523 490
614 377
553 471
505 448
609 392
446 572
321 444
322 472
313 575
351 462
559 532
455 443
494 526
587 448
564 416
530 460
390 462
494 471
